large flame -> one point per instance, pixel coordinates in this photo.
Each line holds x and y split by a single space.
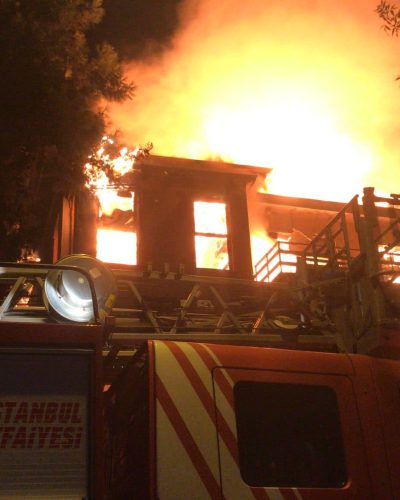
306 88
116 235
118 247
211 235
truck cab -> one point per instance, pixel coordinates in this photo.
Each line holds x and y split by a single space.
188 419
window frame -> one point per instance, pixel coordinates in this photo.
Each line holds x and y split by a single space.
224 379
225 236
132 225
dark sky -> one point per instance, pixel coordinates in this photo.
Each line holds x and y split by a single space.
132 26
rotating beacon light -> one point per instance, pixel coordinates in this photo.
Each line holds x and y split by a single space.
67 292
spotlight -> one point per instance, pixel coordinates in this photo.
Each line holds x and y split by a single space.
67 292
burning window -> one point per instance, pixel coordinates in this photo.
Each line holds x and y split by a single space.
104 172
211 235
116 234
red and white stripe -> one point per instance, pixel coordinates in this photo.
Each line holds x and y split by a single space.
196 428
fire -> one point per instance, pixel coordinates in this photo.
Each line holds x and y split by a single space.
278 259
116 235
211 235
210 217
260 244
390 261
116 166
305 88
110 201
116 246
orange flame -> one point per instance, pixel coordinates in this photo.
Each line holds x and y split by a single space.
211 235
118 247
305 88
116 237
390 260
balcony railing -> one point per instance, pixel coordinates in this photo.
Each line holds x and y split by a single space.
281 259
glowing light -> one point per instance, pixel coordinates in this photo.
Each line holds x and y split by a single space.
390 260
211 242
116 236
116 246
210 217
304 88
211 253
272 84
110 201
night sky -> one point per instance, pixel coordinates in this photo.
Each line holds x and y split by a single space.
136 26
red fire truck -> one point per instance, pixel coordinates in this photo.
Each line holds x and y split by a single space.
136 384
188 419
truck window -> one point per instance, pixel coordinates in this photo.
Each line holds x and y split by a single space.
289 435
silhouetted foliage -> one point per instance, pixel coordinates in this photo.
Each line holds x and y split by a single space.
390 13
51 84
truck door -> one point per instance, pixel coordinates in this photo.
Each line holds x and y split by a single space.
288 435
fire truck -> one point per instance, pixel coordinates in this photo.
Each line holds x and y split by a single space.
141 383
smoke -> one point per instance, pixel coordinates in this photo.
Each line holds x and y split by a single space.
306 87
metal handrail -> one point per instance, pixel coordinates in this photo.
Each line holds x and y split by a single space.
325 243
274 260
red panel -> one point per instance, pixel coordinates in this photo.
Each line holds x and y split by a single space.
69 337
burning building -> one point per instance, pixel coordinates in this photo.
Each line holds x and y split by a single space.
166 213
198 217
193 247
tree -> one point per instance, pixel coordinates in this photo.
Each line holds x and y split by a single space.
390 13
52 79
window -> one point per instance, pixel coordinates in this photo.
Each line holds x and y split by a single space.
289 435
116 235
211 235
